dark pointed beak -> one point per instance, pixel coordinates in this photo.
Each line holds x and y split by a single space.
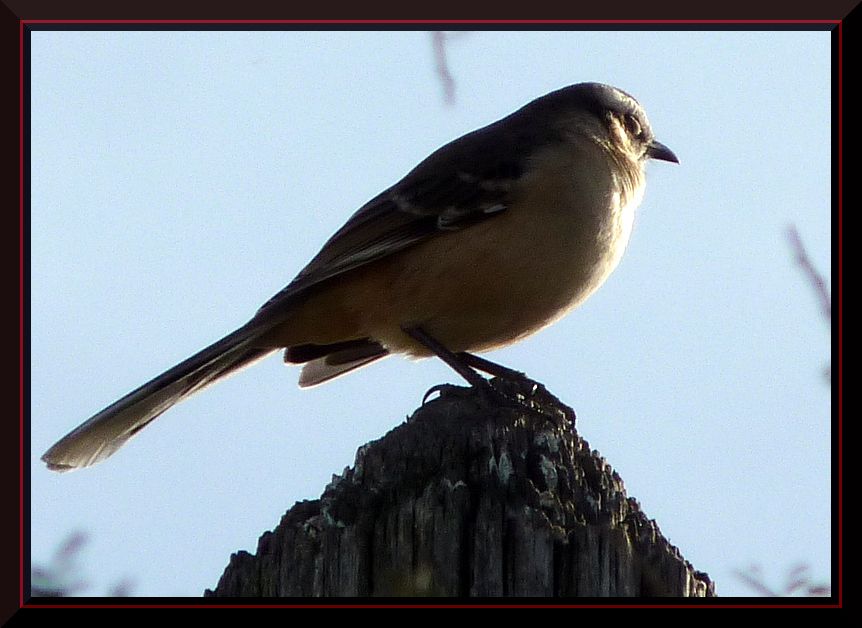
657 150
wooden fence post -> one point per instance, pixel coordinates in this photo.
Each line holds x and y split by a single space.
469 498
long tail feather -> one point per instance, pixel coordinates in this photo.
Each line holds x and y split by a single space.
105 432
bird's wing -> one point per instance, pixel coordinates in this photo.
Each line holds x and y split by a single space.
464 182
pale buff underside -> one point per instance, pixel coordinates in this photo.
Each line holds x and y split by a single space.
491 284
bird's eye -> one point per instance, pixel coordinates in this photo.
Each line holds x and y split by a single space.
633 126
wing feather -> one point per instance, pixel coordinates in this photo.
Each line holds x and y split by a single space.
466 181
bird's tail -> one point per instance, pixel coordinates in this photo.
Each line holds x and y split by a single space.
105 432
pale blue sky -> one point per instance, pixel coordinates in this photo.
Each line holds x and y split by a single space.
179 179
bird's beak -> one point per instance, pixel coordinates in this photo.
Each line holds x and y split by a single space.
657 150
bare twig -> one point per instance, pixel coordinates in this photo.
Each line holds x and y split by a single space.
815 278
798 582
438 41
754 581
59 577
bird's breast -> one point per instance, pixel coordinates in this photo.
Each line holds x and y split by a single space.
505 278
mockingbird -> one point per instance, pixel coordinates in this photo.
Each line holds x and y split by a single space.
491 238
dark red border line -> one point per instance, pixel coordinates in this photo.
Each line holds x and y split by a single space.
450 605
21 307
425 21
840 396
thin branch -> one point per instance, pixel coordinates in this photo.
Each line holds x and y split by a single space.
798 582
755 584
816 280
438 40
814 277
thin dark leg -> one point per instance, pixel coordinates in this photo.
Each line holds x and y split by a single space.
453 360
525 384
492 368
463 363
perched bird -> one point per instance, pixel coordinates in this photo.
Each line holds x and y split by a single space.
488 240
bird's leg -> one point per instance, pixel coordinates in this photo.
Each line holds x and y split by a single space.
500 371
492 368
464 364
452 359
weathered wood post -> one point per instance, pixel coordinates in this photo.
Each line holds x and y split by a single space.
469 498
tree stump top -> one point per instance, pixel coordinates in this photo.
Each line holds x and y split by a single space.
470 498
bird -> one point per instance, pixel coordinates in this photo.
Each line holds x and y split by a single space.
491 238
